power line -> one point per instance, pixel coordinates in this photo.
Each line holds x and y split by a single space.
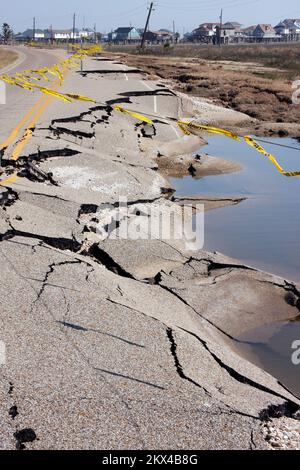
33 29
220 30
208 6
198 4
123 13
278 145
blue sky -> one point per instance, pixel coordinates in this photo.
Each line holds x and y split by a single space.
110 14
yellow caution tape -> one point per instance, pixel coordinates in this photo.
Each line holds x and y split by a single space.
24 80
292 173
250 141
183 128
58 72
140 117
80 97
68 97
17 82
200 127
42 73
27 77
56 94
52 72
8 79
25 85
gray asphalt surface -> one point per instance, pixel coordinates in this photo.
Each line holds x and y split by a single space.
19 103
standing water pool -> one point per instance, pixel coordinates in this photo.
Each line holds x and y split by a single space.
263 231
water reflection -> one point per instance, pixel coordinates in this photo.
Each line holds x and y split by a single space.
264 230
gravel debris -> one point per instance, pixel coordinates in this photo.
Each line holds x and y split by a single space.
283 433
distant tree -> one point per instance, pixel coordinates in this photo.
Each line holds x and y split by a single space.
177 37
6 33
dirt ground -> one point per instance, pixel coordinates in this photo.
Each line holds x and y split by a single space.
6 57
285 56
263 93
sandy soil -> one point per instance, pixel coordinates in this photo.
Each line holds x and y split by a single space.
198 166
7 57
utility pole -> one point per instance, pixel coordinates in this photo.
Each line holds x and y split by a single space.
74 27
95 33
51 33
174 31
33 29
221 26
147 24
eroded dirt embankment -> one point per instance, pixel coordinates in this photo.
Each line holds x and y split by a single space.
7 57
262 93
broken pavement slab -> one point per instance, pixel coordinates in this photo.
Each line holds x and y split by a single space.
211 282
135 362
197 166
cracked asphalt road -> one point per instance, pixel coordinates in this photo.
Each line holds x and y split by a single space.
112 344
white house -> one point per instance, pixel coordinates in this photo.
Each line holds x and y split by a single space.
205 32
56 34
86 33
67 34
39 35
125 34
63 34
282 29
288 27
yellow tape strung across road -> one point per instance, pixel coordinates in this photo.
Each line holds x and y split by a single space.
54 93
186 125
140 117
24 80
68 97
17 82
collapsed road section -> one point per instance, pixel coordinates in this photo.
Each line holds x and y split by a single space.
119 343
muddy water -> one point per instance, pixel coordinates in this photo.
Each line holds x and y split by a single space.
263 231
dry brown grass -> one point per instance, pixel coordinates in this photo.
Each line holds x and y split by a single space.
258 95
285 56
6 57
